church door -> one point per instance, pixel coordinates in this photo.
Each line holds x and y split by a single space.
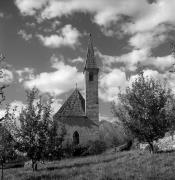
75 138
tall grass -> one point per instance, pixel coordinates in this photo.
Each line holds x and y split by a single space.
123 165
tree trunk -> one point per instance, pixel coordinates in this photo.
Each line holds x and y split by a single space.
2 172
151 147
172 135
36 166
33 164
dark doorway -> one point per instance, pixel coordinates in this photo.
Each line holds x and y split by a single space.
75 138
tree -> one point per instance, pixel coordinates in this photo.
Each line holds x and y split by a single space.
32 132
5 138
3 85
55 141
36 128
142 109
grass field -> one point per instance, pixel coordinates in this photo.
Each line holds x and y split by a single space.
108 166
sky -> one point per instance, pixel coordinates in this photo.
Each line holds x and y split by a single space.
45 45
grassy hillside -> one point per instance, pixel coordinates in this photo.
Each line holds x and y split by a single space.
108 166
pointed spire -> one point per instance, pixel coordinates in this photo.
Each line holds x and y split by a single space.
90 60
90 51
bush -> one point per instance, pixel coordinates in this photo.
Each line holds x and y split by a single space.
91 148
72 150
95 147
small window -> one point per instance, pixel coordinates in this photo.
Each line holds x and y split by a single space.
91 77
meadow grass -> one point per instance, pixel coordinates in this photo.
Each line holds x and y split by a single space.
108 166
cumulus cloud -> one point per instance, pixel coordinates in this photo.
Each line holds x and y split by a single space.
148 39
77 60
104 11
67 36
129 60
110 84
147 22
57 103
30 7
6 77
24 35
25 74
61 80
145 15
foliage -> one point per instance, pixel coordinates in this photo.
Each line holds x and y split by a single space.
54 149
36 134
143 109
91 148
3 84
95 147
6 145
72 150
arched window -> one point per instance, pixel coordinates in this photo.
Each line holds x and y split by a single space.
91 77
75 138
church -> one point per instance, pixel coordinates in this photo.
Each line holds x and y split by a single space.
81 116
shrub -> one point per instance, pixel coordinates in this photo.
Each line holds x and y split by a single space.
91 148
95 147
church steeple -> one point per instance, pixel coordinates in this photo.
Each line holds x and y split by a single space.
90 59
91 84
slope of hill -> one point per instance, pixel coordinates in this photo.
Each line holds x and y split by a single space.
131 165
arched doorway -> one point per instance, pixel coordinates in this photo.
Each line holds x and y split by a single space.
75 138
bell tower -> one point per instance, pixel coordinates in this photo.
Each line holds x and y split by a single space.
91 84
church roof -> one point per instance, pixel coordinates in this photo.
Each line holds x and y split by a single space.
81 121
73 106
90 60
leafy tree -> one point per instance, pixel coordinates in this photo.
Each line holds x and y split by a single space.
35 133
142 109
6 139
30 133
3 85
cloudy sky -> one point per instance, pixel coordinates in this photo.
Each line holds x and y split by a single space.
45 44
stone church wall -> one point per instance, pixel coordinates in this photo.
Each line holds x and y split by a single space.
85 134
